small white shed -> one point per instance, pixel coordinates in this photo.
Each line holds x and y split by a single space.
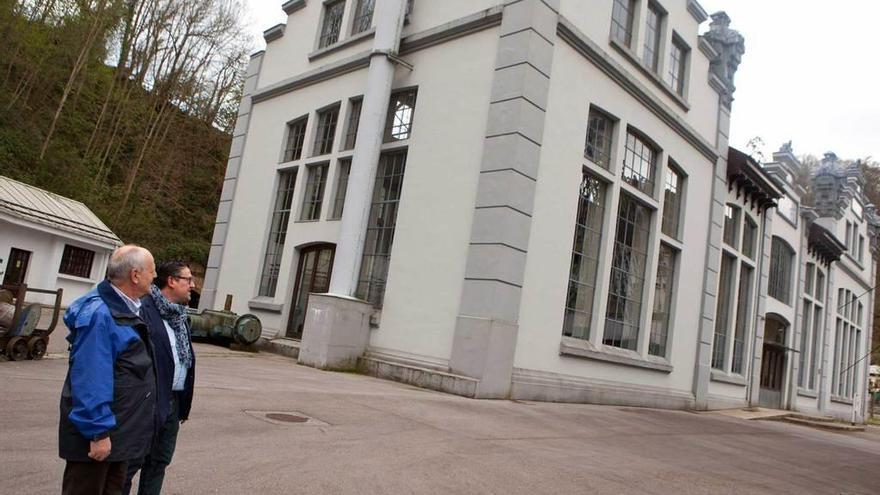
48 241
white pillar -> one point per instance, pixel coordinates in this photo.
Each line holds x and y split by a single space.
389 16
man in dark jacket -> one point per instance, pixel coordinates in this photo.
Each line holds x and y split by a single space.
108 403
165 311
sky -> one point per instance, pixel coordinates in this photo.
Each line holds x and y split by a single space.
810 74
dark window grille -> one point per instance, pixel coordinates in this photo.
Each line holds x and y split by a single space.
277 233
677 66
76 261
380 229
398 124
341 188
781 258
722 315
731 225
623 315
332 23
296 137
750 234
584 258
662 301
742 319
651 55
622 21
814 346
354 120
638 164
363 16
314 196
805 341
326 131
672 203
598 144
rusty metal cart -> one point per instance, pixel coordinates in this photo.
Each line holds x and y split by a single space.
20 338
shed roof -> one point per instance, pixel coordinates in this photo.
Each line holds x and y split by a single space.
36 205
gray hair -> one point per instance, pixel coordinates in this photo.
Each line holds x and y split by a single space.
125 259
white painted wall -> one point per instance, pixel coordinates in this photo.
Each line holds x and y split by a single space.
47 247
594 19
288 56
575 84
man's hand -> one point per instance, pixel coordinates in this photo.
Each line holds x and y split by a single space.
99 449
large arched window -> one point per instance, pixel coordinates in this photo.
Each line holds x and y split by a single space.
781 263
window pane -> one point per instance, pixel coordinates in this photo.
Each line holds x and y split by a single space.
662 301
731 225
722 316
363 16
584 258
380 229
627 284
638 164
76 261
652 38
818 328
598 145
808 278
805 341
820 286
326 131
314 196
743 318
750 233
781 257
622 20
277 233
672 203
354 120
398 124
677 67
332 23
296 136
341 188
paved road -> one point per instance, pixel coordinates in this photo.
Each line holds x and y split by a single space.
372 436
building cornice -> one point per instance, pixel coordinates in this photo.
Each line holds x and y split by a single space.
697 11
292 6
274 32
583 45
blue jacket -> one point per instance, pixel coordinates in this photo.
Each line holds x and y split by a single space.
164 361
110 389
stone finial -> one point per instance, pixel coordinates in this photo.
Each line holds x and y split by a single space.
730 46
830 157
786 148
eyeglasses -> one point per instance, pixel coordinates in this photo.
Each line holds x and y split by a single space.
189 280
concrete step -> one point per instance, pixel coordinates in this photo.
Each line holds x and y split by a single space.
282 347
822 423
420 377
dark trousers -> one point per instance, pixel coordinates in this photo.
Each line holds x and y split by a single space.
93 478
153 466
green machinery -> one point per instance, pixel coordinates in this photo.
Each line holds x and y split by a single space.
226 326
20 338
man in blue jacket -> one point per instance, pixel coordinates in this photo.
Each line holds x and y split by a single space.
165 312
108 403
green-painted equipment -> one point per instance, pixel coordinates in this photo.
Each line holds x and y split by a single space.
226 326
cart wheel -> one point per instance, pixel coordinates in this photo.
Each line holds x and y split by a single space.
17 349
36 347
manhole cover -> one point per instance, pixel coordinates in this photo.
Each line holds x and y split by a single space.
287 418
281 418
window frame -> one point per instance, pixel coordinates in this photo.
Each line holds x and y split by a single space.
77 262
648 185
326 39
652 55
628 30
388 135
343 171
322 146
680 195
289 153
285 191
352 123
599 115
358 25
677 75
311 204
783 274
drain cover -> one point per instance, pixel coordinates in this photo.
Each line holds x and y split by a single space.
287 418
281 418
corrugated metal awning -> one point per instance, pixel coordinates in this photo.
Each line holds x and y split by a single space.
39 206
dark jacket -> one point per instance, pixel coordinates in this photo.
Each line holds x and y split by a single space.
110 389
164 360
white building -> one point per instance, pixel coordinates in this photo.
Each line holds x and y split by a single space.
48 241
496 198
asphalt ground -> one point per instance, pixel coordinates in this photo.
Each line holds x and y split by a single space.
367 436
